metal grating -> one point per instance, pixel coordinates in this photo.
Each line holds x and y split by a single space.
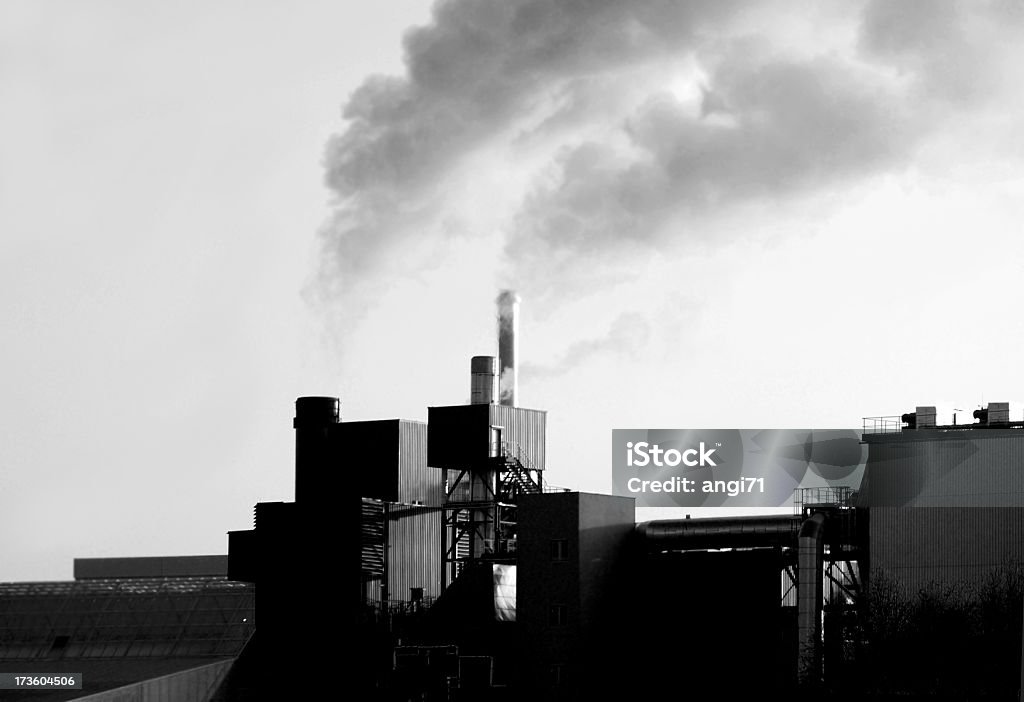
371 537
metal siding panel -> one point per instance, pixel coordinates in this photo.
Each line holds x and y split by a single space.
416 482
414 559
944 544
968 469
965 513
525 427
990 474
149 566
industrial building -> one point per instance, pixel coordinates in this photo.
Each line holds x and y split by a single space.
488 584
433 561
134 628
945 501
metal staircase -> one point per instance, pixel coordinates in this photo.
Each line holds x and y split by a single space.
480 511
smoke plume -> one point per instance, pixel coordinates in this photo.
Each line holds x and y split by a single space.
579 136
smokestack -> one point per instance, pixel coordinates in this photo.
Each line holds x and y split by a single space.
483 380
313 461
508 347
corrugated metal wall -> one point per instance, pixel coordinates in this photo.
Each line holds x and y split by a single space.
415 553
416 482
978 470
414 532
962 513
524 427
921 545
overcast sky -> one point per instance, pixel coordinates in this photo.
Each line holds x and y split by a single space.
717 214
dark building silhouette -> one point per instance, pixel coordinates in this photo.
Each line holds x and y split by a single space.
159 628
574 578
433 561
456 572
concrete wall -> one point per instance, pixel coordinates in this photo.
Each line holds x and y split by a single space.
584 589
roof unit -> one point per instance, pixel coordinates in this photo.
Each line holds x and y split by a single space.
921 418
995 413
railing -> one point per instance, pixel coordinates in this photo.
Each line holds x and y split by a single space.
520 478
510 449
397 606
555 488
838 496
892 424
895 425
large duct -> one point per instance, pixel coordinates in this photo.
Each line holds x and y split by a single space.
719 532
508 347
483 380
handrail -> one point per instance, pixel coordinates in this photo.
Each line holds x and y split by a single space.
511 449
890 424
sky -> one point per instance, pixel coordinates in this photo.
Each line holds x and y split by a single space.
717 214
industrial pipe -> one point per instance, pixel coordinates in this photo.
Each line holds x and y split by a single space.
720 532
810 560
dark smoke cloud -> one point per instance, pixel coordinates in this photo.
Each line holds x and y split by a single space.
786 127
575 94
478 68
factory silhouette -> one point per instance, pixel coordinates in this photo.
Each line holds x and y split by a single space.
433 561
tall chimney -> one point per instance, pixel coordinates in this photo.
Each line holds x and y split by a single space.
508 347
483 380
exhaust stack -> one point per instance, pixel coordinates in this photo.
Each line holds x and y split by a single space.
508 347
483 380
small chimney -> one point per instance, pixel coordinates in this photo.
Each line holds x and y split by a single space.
483 380
508 347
